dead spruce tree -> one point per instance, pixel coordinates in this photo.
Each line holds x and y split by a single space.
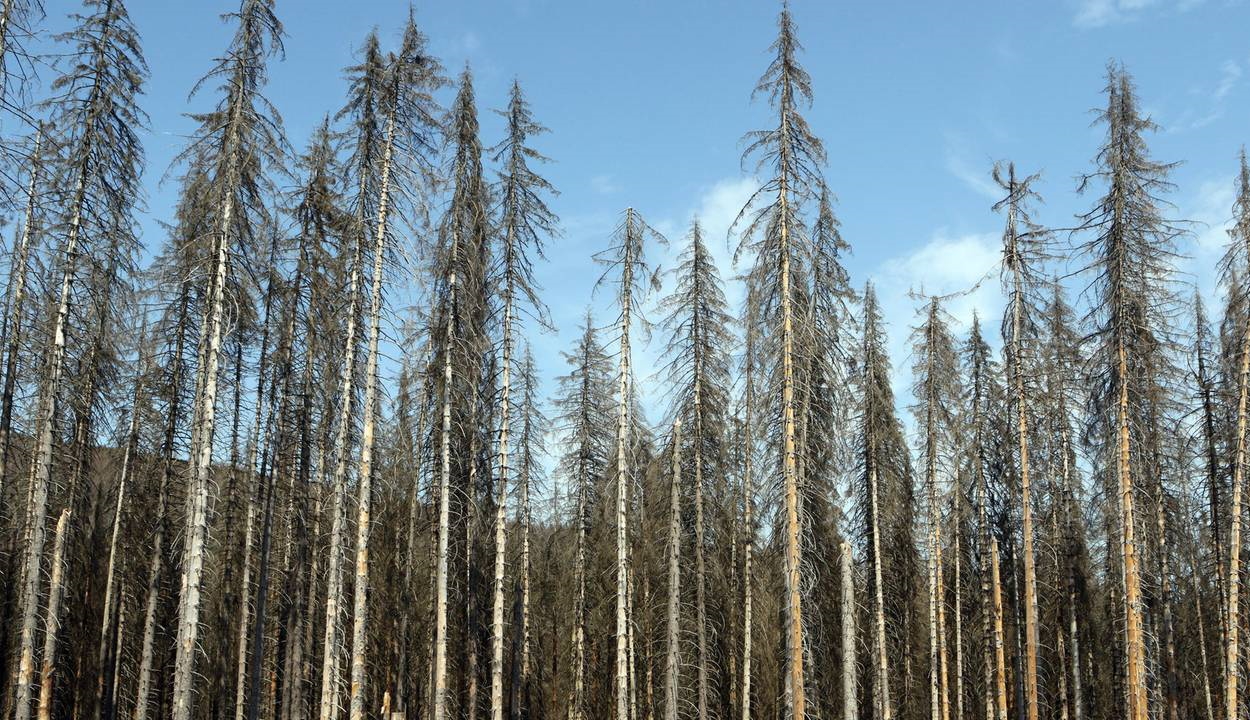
774 233
531 449
525 223
1061 357
407 142
1129 253
584 421
1023 252
368 80
936 389
95 124
236 141
698 323
631 278
460 344
886 498
1236 267
16 297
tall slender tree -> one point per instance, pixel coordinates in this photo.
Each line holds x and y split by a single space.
774 232
698 323
96 121
525 224
632 278
1023 251
236 142
1131 246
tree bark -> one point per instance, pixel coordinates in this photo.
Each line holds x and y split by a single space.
444 524
1232 665
52 625
360 606
850 701
672 661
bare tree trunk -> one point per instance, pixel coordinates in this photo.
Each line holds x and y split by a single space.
106 665
501 518
748 592
360 606
37 508
245 589
16 299
578 699
332 645
53 623
622 491
525 590
444 523
1000 661
201 460
883 658
794 560
700 588
632 656
959 612
850 701
1208 705
1134 643
1232 666
672 639
1026 500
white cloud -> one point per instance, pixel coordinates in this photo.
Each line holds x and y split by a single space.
717 207
604 184
963 268
1098 13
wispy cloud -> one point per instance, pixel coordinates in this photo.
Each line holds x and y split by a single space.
1211 211
604 184
1100 13
1210 99
1230 73
959 163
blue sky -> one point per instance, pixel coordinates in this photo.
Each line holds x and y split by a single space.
647 101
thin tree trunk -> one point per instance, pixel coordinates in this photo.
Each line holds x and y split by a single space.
444 522
1134 643
245 591
850 701
793 557
37 508
1208 705
700 588
332 645
622 488
577 702
1232 665
959 612
672 639
360 608
1000 661
747 570
52 625
107 665
883 658
501 516
1026 491
202 444
15 303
